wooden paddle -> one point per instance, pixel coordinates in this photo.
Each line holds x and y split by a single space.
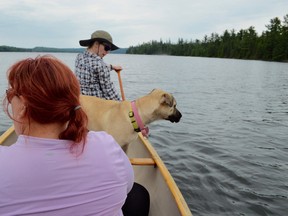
120 84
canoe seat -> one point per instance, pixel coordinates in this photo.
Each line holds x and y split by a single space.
142 161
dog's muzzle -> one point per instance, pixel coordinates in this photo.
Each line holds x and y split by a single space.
175 117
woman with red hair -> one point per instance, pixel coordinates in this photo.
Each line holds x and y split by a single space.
57 167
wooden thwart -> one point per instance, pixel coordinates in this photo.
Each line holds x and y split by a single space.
142 161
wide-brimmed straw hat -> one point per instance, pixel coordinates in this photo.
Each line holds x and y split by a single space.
101 36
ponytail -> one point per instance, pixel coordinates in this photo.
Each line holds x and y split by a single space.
76 128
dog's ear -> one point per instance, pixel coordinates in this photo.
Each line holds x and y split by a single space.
152 91
166 99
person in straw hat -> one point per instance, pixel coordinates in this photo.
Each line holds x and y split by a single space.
92 72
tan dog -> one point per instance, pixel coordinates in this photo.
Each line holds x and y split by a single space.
113 116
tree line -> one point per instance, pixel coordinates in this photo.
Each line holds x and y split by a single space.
271 45
5 48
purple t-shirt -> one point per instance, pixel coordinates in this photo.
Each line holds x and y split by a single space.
43 177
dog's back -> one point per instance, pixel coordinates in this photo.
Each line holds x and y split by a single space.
113 116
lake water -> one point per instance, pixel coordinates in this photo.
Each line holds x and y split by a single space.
229 152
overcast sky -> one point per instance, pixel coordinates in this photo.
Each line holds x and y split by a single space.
62 23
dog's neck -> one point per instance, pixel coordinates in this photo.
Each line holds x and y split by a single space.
145 110
136 120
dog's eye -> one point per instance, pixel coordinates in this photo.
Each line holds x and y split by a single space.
169 103
172 103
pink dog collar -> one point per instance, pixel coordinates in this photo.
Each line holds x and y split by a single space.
144 130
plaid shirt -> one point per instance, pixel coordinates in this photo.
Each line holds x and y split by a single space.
94 76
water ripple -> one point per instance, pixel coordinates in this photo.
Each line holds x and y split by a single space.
229 153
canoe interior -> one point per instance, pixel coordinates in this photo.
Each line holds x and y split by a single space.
165 197
162 200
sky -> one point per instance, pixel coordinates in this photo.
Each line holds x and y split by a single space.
62 23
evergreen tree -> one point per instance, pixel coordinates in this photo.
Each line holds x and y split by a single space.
272 45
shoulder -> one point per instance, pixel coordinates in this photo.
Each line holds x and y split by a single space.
102 140
84 54
100 136
103 146
3 148
79 56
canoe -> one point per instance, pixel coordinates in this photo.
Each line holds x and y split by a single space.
150 171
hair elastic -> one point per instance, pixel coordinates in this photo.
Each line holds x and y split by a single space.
77 107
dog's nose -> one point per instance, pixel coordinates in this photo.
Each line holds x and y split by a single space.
175 117
178 117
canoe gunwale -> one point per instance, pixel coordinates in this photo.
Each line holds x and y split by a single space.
181 203
6 134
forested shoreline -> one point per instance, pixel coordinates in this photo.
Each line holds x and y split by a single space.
51 49
271 45
38 49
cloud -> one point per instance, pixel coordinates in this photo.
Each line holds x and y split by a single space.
54 23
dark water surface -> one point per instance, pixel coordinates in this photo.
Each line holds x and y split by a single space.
229 153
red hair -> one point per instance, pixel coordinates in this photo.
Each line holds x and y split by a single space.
52 92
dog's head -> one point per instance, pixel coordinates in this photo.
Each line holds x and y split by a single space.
167 106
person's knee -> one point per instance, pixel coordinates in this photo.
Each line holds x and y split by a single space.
137 202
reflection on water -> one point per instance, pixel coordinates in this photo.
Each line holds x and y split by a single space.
229 152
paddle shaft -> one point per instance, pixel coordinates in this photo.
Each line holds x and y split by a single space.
120 84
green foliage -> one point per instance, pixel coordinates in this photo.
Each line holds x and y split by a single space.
272 45
13 49
49 49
